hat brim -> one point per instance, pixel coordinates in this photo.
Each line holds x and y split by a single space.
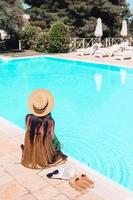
44 93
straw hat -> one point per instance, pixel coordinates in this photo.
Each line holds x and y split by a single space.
41 102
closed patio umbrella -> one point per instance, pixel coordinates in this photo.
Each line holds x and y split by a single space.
123 32
98 29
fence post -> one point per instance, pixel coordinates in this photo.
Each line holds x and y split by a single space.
83 43
20 47
75 41
112 41
109 42
92 41
106 42
130 41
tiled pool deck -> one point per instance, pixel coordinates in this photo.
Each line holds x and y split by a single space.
92 58
20 183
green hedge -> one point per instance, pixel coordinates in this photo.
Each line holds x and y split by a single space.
28 37
58 38
41 42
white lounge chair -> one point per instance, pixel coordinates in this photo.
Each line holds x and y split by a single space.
125 46
90 50
103 52
123 55
129 48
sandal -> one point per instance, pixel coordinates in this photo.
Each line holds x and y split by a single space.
78 185
89 183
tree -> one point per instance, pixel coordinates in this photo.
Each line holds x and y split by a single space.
79 15
10 18
58 38
131 27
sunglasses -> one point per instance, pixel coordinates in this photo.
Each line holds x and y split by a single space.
49 175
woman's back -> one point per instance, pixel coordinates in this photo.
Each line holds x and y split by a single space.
39 151
41 148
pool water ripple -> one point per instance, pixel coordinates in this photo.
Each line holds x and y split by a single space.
102 158
93 109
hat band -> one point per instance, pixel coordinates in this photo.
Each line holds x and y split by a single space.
40 111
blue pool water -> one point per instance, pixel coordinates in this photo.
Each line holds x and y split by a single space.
93 110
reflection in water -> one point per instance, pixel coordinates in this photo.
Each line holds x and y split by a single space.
123 76
98 81
5 59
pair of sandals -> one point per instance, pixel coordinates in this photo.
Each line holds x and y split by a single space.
81 183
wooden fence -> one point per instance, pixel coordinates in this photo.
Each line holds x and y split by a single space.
77 43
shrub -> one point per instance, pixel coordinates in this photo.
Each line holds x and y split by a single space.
2 46
41 42
58 38
28 37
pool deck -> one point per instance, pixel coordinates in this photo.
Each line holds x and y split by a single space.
73 55
20 183
91 58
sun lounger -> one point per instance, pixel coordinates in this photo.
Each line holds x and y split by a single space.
123 55
83 51
125 46
89 50
129 48
110 51
102 52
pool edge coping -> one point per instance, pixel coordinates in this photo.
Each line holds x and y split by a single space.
65 58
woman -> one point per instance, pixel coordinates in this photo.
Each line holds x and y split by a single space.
41 148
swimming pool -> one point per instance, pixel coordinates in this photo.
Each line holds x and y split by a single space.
93 110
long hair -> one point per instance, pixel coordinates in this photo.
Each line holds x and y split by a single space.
35 124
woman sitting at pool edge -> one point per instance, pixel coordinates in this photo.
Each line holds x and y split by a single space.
41 147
